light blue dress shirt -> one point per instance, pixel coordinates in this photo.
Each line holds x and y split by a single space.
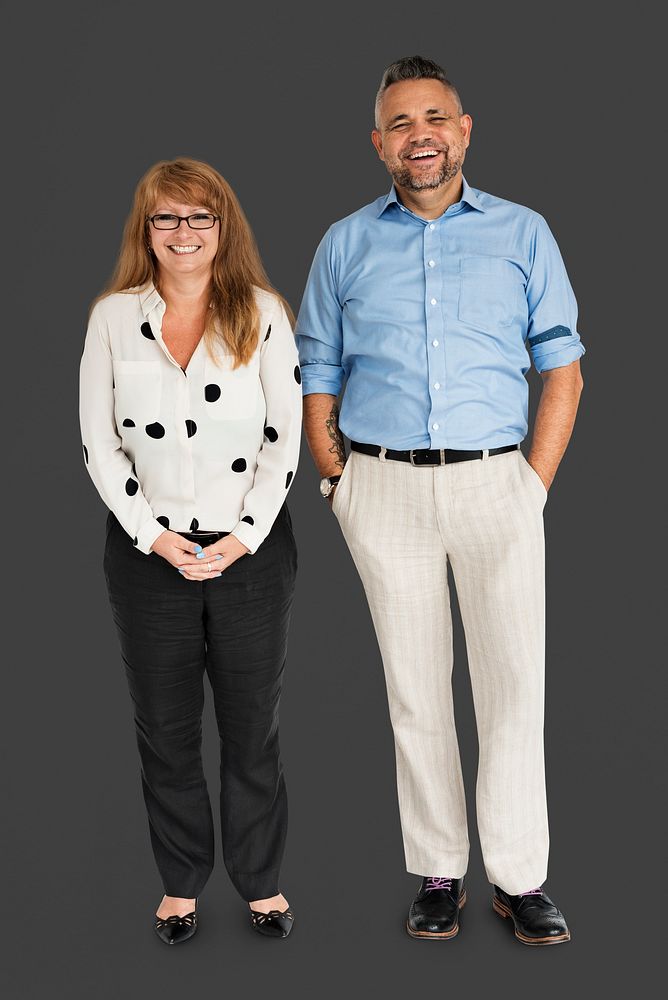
433 324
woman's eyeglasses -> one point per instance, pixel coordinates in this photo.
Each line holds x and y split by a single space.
203 220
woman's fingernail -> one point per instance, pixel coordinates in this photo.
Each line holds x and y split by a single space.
200 555
217 574
219 557
198 548
180 570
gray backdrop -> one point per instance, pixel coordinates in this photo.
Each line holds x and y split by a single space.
279 98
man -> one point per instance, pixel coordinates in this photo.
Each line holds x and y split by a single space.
432 302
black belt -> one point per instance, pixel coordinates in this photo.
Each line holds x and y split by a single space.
429 456
200 536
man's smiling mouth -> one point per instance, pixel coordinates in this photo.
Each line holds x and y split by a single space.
424 154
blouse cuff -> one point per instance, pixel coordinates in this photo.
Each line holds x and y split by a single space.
147 534
248 535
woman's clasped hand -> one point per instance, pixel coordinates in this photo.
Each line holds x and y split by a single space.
195 562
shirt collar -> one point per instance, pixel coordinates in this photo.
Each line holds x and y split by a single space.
468 195
149 298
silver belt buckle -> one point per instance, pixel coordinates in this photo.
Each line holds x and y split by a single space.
441 452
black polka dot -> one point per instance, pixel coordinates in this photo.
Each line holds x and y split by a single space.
164 521
134 541
129 423
131 487
85 454
298 375
155 430
194 525
248 519
191 427
239 465
147 331
211 392
266 337
288 479
271 434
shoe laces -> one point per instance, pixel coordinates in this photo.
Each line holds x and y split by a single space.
438 883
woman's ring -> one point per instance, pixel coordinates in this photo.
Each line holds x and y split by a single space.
208 567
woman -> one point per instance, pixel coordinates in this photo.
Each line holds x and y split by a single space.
190 407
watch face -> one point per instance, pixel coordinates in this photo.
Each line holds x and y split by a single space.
325 487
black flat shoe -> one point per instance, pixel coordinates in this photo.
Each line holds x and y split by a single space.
434 912
276 923
537 920
174 930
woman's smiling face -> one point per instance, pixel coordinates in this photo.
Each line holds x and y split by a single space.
183 250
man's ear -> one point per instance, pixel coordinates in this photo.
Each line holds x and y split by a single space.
377 140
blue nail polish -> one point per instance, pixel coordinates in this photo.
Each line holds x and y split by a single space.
198 548
200 555
180 570
217 574
219 557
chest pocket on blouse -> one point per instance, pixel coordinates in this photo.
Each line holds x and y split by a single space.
491 292
230 394
137 392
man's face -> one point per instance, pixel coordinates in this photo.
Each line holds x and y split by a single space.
421 138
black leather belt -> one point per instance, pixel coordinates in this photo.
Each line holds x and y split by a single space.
203 538
429 456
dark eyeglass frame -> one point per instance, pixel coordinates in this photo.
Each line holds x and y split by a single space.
182 218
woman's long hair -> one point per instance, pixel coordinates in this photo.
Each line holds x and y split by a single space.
237 267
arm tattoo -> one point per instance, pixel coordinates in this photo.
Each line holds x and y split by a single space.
338 449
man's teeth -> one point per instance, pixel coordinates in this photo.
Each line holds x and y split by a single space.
429 152
179 249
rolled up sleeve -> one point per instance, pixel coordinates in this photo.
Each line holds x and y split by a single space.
319 329
552 337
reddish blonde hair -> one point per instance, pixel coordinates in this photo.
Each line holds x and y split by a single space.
237 267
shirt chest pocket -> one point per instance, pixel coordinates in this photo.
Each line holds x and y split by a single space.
230 393
137 392
491 292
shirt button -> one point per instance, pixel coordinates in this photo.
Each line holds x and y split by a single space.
432 263
433 302
437 385
434 343
432 226
434 427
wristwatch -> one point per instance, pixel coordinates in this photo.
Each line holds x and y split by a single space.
327 485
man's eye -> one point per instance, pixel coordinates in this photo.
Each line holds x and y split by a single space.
400 125
438 119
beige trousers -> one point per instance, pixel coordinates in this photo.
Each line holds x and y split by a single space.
402 524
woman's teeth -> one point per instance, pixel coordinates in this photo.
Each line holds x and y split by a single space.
181 250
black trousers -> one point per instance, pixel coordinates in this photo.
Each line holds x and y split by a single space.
235 629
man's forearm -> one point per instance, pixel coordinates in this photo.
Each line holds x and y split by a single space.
321 423
555 419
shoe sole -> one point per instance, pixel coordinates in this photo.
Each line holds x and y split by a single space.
504 911
442 936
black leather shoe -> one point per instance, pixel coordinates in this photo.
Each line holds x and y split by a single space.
173 930
434 912
537 920
276 923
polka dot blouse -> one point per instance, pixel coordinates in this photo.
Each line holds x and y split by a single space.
206 448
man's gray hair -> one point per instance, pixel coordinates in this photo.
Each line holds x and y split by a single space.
413 68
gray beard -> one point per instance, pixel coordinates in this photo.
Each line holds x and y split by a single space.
403 177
